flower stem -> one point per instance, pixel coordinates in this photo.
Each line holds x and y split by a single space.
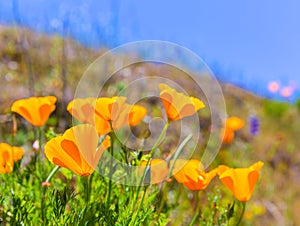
242 213
55 169
139 207
152 151
163 132
87 188
148 161
197 211
12 149
37 155
43 205
177 153
112 136
40 139
163 198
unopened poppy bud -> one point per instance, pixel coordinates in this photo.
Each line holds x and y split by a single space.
14 125
46 184
36 145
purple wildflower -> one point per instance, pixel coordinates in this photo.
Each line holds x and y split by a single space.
254 125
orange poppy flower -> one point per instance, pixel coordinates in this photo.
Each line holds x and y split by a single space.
178 105
230 126
83 109
222 169
77 149
158 170
35 110
191 174
241 181
9 155
118 112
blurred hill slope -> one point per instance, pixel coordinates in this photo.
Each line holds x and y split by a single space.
277 143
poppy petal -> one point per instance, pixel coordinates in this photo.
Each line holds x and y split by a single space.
36 110
178 105
197 103
77 149
137 113
241 181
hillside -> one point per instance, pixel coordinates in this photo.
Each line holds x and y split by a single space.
30 60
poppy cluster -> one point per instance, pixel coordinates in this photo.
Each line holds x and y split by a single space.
79 149
106 113
191 173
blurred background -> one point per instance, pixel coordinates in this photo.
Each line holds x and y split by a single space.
252 44
252 47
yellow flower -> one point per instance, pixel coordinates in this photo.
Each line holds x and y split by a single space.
77 149
35 110
230 126
191 173
83 109
241 181
178 105
158 170
9 155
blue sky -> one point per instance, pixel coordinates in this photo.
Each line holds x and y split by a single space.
248 42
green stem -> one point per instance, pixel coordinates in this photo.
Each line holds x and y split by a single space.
37 162
43 205
196 215
12 141
40 139
163 199
148 161
12 153
163 132
177 153
139 207
37 155
112 136
242 213
152 151
55 169
87 188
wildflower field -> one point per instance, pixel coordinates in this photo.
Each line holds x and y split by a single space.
69 159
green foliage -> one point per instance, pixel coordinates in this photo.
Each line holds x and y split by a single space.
66 204
275 109
19 212
65 199
60 199
50 133
108 216
216 213
297 104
